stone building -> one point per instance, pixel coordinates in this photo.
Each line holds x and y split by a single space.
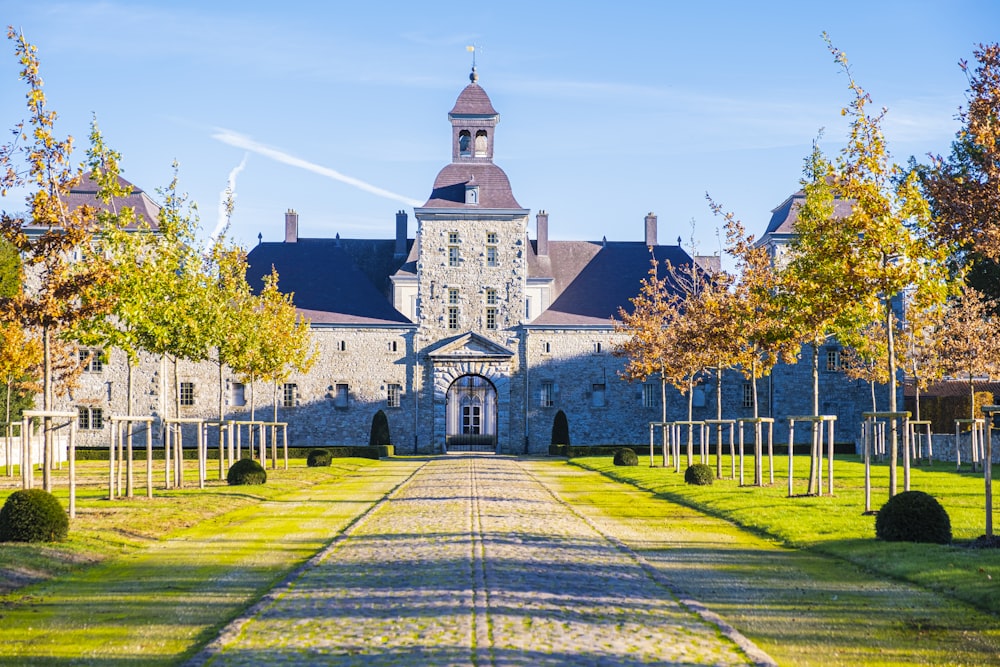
469 334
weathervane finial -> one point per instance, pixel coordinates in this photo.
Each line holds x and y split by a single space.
473 76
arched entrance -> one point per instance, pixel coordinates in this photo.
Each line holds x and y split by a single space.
471 415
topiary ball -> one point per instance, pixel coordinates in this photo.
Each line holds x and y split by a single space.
626 457
318 458
699 474
33 515
913 516
246 472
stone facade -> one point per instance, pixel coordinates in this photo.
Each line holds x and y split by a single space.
468 335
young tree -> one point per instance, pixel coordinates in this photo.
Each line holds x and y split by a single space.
126 244
648 345
968 333
866 258
63 271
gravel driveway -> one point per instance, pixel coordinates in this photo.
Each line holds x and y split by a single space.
474 561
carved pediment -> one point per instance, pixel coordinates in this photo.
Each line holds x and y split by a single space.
470 346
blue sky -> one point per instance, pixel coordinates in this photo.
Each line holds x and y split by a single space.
607 110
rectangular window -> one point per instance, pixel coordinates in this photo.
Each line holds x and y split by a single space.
453 296
491 238
546 347
491 318
392 394
471 419
238 394
187 393
491 256
491 296
91 360
747 395
288 394
342 346
452 317
90 419
393 345
597 348
342 396
452 237
547 399
453 259
649 395
833 359
597 395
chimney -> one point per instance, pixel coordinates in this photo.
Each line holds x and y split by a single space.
400 234
650 229
291 226
542 233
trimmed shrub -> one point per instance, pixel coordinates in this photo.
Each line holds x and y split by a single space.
318 458
380 431
246 472
33 515
560 429
699 474
913 516
626 457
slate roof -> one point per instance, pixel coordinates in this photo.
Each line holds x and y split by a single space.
473 101
784 216
494 187
951 388
85 193
334 281
592 279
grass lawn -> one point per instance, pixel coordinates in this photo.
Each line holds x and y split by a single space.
836 525
151 600
802 607
150 581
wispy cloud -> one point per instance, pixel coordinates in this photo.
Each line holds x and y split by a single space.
278 155
225 195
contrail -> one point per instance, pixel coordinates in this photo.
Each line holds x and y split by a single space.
246 143
230 191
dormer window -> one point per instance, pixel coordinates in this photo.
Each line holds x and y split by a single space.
471 193
464 143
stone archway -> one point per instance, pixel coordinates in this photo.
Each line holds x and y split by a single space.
471 415
471 356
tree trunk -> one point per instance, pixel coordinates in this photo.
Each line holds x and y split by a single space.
275 411
7 430
690 443
252 411
893 431
813 464
221 386
46 405
128 386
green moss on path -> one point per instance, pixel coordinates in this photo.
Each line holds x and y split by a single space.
159 605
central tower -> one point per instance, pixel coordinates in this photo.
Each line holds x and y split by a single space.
472 268
472 255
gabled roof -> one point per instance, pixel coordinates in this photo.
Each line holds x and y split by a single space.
470 346
334 281
593 279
